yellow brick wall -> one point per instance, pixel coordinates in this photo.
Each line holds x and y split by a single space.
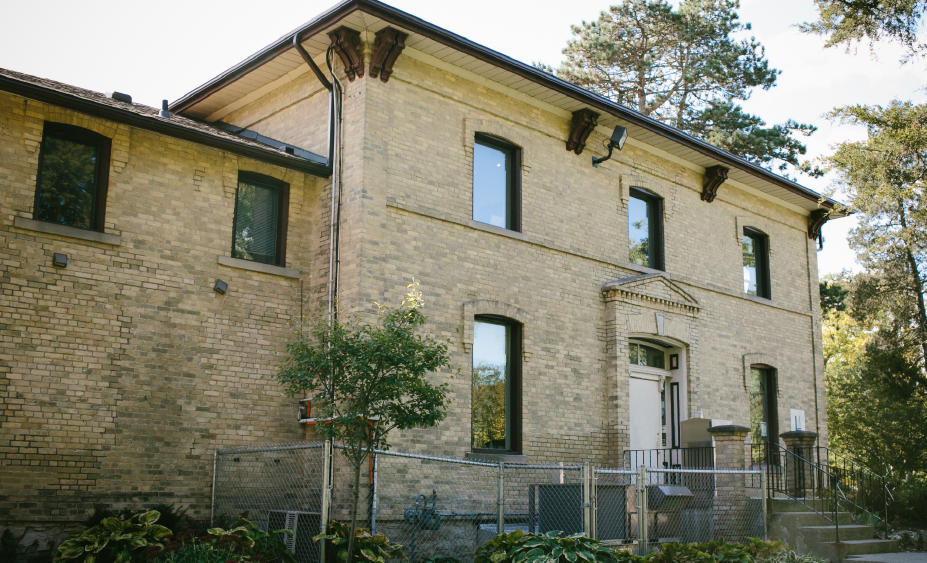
120 374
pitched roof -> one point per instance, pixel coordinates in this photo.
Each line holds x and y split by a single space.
147 117
278 62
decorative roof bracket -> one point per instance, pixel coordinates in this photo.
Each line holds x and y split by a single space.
714 177
815 221
387 47
584 121
346 43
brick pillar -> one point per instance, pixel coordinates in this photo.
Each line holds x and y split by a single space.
799 476
730 501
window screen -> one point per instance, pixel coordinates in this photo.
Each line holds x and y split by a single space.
259 221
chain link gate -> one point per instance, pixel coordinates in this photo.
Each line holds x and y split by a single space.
446 508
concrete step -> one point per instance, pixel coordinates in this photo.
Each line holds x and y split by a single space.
806 505
801 519
864 547
847 533
894 557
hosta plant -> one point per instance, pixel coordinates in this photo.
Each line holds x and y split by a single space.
372 548
114 540
552 547
245 543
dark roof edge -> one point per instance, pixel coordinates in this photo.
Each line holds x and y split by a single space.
67 101
443 36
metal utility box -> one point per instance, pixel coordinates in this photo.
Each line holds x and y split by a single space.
668 498
693 433
304 525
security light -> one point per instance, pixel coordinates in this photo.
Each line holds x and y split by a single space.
619 136
221 287
60 260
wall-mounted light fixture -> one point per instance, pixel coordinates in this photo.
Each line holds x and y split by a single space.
221 287
60 260
619 136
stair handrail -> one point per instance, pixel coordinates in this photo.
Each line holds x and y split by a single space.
879 482
774 481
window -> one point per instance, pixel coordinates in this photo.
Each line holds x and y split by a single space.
645 229
756 263
261 208
496 183
496 391
643 355
73 177
764 419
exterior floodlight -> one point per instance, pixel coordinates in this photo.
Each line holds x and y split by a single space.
619 136
60 260
221 287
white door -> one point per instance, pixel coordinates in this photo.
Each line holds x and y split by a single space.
646 414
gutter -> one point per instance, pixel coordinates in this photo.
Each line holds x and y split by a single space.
161 125
402 19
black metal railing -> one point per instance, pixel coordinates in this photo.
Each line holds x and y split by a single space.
865 491
671 458
803 481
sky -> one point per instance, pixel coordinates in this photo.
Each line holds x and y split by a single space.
162 50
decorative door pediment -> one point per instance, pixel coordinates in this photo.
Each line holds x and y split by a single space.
651 290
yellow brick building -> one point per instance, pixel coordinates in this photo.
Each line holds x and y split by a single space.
124 367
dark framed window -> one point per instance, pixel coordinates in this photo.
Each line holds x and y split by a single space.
643 355
496 182
261 211
496 387
764 407
645 229
73 177
756 264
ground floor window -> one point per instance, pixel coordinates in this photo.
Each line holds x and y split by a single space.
496 386
763 419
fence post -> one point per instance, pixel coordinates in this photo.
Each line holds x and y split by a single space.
500 501
764 495
587 501
595 502
326 494
642 539
373 496
215 481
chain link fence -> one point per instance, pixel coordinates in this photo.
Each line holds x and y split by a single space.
442 509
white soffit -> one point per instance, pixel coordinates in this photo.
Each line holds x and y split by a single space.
289 65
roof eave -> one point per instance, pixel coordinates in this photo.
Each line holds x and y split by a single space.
443 36
159 125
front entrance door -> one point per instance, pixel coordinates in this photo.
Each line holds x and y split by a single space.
646 413
764 422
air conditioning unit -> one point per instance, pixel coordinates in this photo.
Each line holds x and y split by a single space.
304 525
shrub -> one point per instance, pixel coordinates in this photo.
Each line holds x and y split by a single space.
243 544
552 547
792 557
114 540
171 517
373 548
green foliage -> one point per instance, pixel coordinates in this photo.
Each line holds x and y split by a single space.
848 22
792 557
833 295
368 379
684 67
171 517
245 543
910 496
114 540
442 559
367 548
552 547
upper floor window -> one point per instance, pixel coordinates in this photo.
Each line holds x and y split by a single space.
496 390
73 177
756 263
645 229
261 208
496 183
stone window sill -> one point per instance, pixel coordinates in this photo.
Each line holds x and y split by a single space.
496 458
258 267
645 269
761 300
497 230
65 231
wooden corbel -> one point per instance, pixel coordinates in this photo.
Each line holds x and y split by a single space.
815 221
714 177
346 43
387 47
584 121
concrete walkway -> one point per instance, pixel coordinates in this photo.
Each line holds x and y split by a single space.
890 558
